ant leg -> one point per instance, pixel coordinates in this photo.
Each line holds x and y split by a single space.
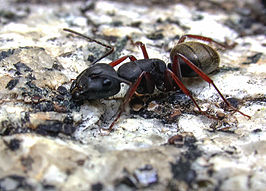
207 39
118 61
93 40
142 46
176 67
185 90
207 79
127 98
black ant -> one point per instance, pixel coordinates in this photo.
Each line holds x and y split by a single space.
189 59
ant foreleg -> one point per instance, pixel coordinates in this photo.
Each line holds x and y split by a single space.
93 40
207 79
132 89
207 39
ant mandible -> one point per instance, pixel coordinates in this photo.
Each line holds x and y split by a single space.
188 59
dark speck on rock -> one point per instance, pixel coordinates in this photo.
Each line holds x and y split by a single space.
57 66
30 84
136 24
90 5
54 127
21 67
90 58
155 36
233 101
197 17
12 83
80 162
13 144
49 187
44 106
179 99
97 187
51 128
27 162
68 129
117 23
11 128
25 117
257 131
228 68
172 21
35 89
189 141
253 59
182 171
5 54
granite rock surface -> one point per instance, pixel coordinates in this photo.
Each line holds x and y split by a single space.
161 142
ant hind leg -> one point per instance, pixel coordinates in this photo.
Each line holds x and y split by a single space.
209 80
207 39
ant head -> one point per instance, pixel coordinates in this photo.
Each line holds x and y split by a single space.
96 82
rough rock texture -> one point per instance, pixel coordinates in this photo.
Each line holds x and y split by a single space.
161 142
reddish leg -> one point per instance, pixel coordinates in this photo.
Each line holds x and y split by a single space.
134 86
207 39
150 85
143 48
176 67
132 58
127 98
118 61
186 91
207 79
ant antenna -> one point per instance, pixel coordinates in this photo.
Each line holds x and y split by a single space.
93 40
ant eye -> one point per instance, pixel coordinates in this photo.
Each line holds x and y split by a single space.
107 82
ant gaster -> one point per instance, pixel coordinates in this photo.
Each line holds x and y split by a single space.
188 59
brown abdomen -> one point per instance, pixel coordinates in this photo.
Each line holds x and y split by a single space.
202 55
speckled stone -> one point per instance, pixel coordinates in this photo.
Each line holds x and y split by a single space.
50 142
